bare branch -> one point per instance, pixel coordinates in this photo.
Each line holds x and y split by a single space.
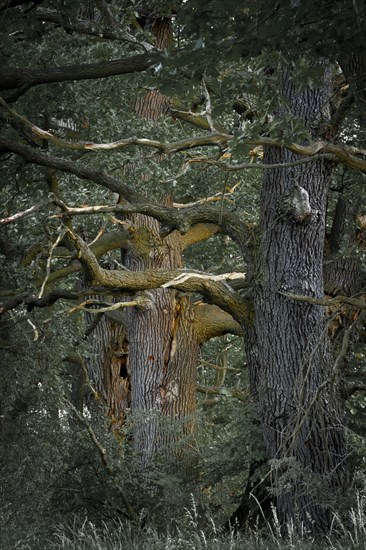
172 218
49 259
107 242
77 359
327 302
27 212
180 217
178 111
346 156
214 139
141 301
206 277
349 156
250 165
208 107
238 310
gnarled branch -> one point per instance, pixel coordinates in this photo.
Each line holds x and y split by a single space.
211 321
216 292
350 156
20 80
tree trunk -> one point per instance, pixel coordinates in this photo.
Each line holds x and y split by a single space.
148 364
297 388
354 69
163 354
108 368
162 341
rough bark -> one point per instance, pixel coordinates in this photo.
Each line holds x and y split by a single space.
108 369
163 345
163 351
160 342
353 65
296 388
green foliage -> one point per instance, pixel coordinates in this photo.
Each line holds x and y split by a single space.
55 490
50 469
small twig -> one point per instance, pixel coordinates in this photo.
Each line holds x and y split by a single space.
223 390
249 165
87 379
202 363
36 333
99 234
349 156
208 108
49 259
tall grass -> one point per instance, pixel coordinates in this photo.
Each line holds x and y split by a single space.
76 535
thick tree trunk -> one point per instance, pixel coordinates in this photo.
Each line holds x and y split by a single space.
297 388
354 69
163 355
163 343
148 364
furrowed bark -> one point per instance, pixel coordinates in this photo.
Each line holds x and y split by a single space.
293 353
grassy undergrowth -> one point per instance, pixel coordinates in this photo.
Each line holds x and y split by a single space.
85 535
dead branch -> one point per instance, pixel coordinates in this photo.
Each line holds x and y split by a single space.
49 259
30 301
183 277
142 300
27 212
